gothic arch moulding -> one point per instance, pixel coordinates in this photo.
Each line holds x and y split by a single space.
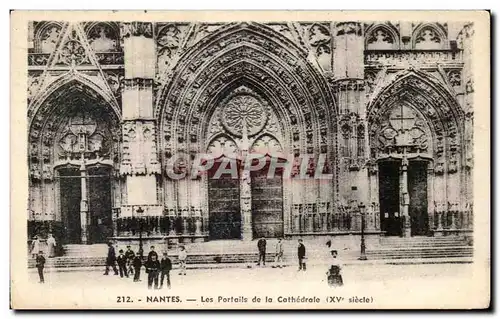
382 37
103 36
428 36
46 36
256 57
51 128
432 102
75 81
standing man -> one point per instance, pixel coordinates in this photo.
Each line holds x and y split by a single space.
129 255
165 267
261 245
40 264
152 253
301 254
279 254
137 263
122 264
111 259
153 269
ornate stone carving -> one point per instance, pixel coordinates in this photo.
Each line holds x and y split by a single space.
404 60
72 51
103 38
267 145
136 29
223 146
319 38
350 27
428 38
380 38
455 78
244 110
115 80
47 38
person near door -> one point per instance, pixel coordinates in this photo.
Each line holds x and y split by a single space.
165 267
51 246
301 254
129 255
279 254
40 264
35 246
261 246
153 270
122 264
182 260
111 259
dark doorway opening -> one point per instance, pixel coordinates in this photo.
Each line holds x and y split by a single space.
224 207
417 189
267 204
70 196
100 212
390 219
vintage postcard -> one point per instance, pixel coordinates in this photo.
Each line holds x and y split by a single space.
250 160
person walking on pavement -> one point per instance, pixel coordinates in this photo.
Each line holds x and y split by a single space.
129 255
122 264
261 245
111 259
165 267
279 254
137 263
182 260
153 269
301 254
40 264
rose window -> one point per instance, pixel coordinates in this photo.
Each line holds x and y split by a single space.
244 111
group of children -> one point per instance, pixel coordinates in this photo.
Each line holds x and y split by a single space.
157 269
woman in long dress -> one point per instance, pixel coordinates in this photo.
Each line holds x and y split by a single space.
51 246
35 246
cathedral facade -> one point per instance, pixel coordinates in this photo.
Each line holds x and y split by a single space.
113 107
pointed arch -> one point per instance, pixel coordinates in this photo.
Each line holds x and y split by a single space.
72 81
429 36
254 54
431 99
382 37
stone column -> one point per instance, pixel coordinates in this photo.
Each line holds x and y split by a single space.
84 203
139 163
349 86
246 206
406 231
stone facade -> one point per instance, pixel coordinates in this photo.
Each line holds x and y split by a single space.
389 104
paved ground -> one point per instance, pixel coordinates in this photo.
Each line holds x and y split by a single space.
267 278
388 284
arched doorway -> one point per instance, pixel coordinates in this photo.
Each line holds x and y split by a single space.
415 146
74 151
265 83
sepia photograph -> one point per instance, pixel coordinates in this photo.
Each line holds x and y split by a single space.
259 160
